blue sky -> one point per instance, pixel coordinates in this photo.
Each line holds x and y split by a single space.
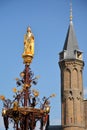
49 21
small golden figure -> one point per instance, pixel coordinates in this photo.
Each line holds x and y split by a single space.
28 46
15 106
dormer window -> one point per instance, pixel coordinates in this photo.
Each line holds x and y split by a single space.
78 54
61 55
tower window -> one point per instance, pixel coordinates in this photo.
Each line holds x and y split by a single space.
71 119
80 93
71 93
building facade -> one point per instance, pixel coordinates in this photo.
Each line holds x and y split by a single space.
73 105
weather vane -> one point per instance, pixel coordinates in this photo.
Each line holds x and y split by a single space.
71 16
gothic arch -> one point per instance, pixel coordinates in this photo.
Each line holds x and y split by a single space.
70 110
80 80
67 78
75 78
78 101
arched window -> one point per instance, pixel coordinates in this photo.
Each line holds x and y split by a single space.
67 79
70 110
80 80
75 78
78 111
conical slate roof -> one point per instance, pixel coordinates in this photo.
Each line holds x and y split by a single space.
71 43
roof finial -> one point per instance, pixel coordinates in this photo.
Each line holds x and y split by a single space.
71 11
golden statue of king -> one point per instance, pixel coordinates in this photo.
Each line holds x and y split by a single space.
28 46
